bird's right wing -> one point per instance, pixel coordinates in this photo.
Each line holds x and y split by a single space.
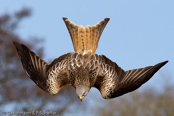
133 79
112 81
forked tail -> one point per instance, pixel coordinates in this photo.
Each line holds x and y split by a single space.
85 39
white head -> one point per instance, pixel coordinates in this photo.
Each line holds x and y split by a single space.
82 91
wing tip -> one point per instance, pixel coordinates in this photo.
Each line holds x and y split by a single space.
18 47
163 63
16 43
166 61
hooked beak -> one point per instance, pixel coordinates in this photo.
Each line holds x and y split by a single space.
82 98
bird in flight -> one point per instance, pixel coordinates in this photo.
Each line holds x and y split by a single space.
84 68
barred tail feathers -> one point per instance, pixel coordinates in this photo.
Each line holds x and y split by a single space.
85 39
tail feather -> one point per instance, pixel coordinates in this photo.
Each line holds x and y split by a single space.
85 39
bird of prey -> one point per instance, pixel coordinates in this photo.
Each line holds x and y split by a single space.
84 68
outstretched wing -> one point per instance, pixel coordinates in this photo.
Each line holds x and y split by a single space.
112 81
33 65
49 78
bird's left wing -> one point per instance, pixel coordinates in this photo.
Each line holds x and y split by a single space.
49 77
112 81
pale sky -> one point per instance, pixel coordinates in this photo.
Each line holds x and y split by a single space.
140 32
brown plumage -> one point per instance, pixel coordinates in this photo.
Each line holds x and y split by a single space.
83 68
85 39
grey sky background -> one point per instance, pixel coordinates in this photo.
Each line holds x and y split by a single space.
140 32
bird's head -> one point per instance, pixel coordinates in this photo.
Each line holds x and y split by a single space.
82 91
